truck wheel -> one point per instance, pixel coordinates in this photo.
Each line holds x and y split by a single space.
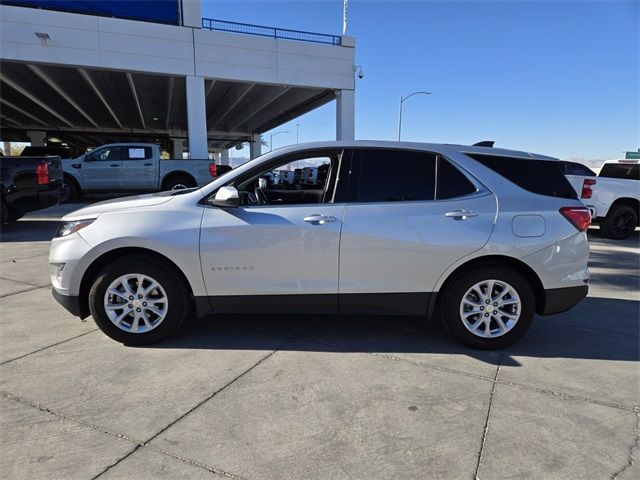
138 300
179 182
489 307
620 222
69 191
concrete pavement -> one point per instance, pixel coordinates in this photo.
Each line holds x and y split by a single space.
256 397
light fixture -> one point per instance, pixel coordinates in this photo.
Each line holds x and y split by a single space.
43 37
54 140
155 118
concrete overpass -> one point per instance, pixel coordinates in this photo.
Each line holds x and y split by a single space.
89 80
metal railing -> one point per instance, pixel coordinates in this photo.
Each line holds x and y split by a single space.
260 30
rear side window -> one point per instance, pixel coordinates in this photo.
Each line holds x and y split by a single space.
452 182
387 175
137 153
543 177
573 168
627 171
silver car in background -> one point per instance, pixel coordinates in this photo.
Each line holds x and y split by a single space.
479 237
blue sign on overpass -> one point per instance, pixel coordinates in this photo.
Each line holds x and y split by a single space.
158 11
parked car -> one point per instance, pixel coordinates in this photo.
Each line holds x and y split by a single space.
613 197
134 167
28 184
482 238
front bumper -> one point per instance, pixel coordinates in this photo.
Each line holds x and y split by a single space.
557 300
72 303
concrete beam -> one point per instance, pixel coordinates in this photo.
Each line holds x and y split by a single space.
229 102
58 89
37 138
258 106
21 111
132 86
38 101
87 78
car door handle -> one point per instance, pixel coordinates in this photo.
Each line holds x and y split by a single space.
148 164
461 214
114 165
319 219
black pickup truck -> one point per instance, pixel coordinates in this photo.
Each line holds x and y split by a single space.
28 184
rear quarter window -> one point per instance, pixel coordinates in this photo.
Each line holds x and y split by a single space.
627 171
543 177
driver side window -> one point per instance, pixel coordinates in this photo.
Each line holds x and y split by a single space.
302 180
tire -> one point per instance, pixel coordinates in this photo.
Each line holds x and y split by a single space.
620 222
171 287
460 294
179 182
70 191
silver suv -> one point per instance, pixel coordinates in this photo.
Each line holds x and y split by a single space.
481 238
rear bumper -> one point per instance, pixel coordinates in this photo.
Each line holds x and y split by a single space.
72 304
557 300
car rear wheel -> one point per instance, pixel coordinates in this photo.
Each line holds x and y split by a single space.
620 222
138 302
489 307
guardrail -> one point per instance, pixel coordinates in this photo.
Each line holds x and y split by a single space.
262 31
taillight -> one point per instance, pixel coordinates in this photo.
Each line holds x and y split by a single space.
213 170
586 187
42 173
578 216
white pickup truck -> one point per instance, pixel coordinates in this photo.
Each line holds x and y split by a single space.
613 197
135 167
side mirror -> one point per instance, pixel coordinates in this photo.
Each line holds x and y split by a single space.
226 197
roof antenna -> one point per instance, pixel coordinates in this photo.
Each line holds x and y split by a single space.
484 143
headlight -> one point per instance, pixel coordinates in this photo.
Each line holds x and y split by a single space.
67 228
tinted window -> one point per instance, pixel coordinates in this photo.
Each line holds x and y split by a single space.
451 181
544 177
394 176
629 171
572 168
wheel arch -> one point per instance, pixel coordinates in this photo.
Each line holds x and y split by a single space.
92 271
502 260
632 202
76 182
174 174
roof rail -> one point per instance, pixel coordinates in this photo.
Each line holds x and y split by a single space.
484 143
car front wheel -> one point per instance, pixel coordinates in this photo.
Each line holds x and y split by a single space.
489 307
138 302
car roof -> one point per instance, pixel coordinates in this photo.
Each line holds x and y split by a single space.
443 148
625 161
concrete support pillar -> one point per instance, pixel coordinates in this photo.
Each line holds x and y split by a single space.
224 157
196 117
177 148
7 149
346 115
255 147
37 138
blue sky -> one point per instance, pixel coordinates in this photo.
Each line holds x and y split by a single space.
555 77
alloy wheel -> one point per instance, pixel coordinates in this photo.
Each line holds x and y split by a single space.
136 303
490 308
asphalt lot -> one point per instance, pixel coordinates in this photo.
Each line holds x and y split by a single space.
316 397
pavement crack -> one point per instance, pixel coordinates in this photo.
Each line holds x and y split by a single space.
485 431
23 291
633 447
48 346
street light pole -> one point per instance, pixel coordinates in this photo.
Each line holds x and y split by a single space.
402 99
271 138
